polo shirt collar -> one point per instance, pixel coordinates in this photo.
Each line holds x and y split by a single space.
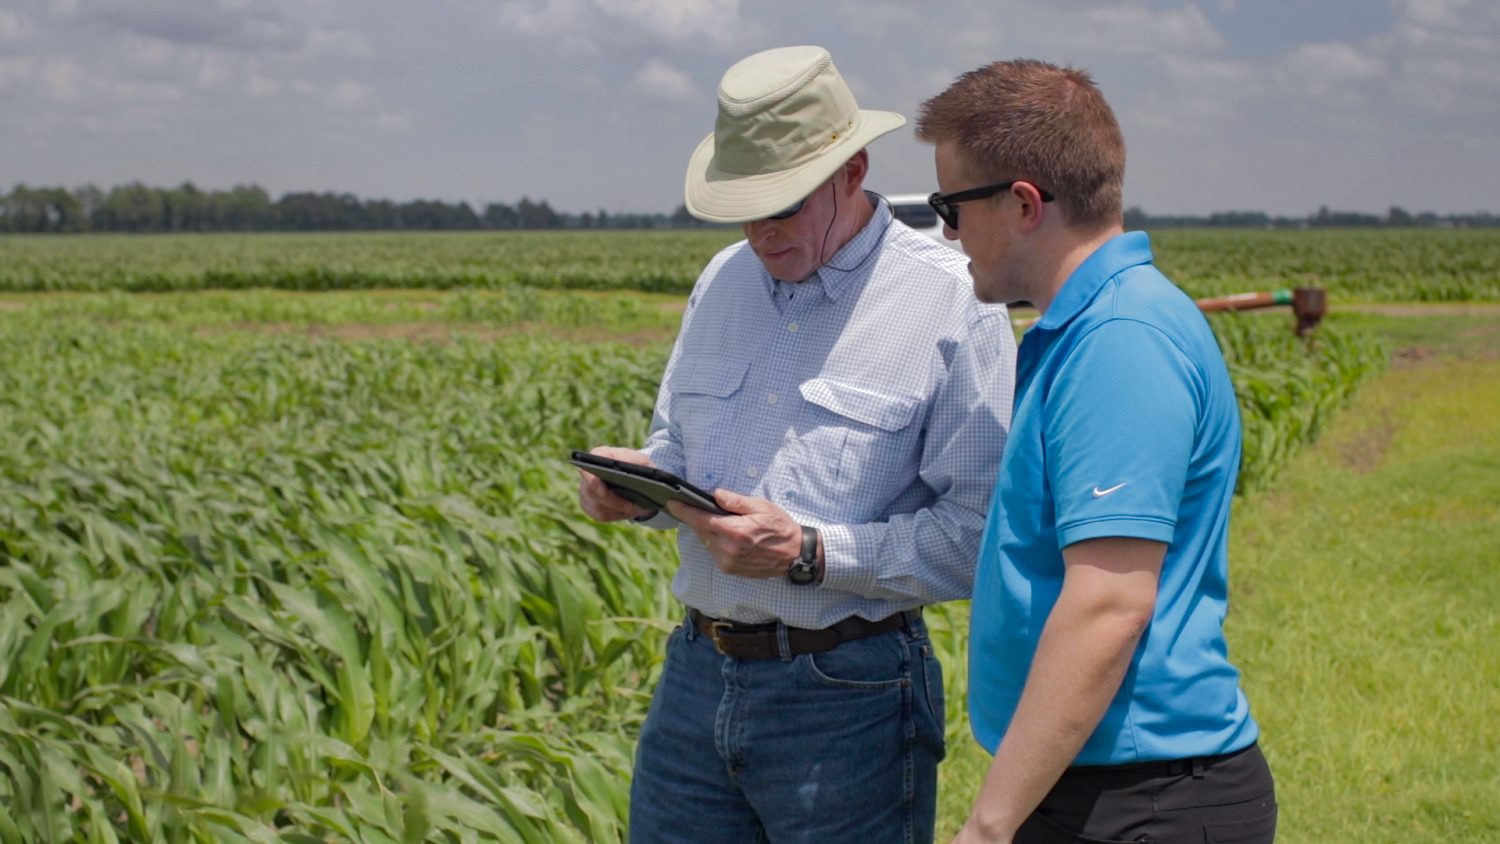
1119 253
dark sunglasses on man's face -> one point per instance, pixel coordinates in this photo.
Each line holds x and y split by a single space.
946 204
790 212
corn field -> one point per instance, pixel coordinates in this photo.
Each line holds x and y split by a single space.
1386 265
260 582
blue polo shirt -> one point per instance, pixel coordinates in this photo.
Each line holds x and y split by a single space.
1125 425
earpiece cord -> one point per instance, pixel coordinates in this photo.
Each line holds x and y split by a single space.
870 252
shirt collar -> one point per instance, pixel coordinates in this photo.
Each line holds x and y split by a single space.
854 257
1119 253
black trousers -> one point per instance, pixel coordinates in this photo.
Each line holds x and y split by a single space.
1212 800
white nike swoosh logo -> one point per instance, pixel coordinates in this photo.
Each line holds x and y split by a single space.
1100 493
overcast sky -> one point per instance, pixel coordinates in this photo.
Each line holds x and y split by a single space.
1268 105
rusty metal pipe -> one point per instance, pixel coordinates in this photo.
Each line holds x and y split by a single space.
1309 304
1246 301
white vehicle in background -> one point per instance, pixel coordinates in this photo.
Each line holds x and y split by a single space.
913 210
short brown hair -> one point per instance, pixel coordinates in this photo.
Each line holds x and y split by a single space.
1026 119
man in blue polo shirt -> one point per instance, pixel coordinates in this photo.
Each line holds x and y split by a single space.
1099 673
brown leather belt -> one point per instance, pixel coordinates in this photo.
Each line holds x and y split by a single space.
759 641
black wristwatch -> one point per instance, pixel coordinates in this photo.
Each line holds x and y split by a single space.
804 569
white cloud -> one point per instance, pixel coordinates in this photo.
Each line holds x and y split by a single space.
677 20
1137 29
1437 13
62 80
875 20
581 25
14 70
542 17
1333 61
1444 55
15 26
338 43
261 86
657 78
214 69
1330 73
1413 36
559 20
1200 96
1209 73
148 52
348 95
201 22
399 121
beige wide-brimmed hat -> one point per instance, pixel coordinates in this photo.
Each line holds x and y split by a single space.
786 122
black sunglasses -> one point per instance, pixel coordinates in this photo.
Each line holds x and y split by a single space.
790 212
946 204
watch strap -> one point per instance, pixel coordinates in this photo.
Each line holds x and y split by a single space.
804 570
809 544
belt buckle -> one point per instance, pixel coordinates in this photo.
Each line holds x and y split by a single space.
715 629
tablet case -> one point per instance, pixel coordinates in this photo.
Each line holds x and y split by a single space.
645 486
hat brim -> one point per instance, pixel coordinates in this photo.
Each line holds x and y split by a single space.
719 197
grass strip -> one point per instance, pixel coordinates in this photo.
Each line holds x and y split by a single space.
1365 588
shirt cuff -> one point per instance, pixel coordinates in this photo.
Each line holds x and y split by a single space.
1140 527
841 569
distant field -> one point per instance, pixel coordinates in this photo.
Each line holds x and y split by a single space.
1355 265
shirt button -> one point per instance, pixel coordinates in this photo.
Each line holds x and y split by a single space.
792 328
771 399
752 471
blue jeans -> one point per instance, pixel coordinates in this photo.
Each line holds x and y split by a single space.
837 746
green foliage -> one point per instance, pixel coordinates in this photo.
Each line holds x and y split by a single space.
1401 265
649 261
1385 265
270 585
1289 387
259 585
505 308
1366 604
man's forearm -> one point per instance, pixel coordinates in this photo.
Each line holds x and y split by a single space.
1084 651
1079 665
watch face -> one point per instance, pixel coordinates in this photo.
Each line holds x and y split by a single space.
802 573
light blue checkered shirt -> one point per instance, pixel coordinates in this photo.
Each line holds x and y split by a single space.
871 402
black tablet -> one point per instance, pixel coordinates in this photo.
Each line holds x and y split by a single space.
645 486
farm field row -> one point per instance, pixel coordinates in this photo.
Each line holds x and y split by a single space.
1354 265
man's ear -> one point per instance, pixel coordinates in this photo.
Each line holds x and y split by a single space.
1032 208
855 170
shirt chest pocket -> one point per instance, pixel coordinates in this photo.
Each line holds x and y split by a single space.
705 391
858 440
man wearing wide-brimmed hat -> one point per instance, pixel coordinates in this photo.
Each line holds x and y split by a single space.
838 386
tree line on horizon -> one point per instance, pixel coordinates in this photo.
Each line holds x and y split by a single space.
138 208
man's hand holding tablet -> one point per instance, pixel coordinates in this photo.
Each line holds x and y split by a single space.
620 483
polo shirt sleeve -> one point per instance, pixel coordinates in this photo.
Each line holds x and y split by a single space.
1119 429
